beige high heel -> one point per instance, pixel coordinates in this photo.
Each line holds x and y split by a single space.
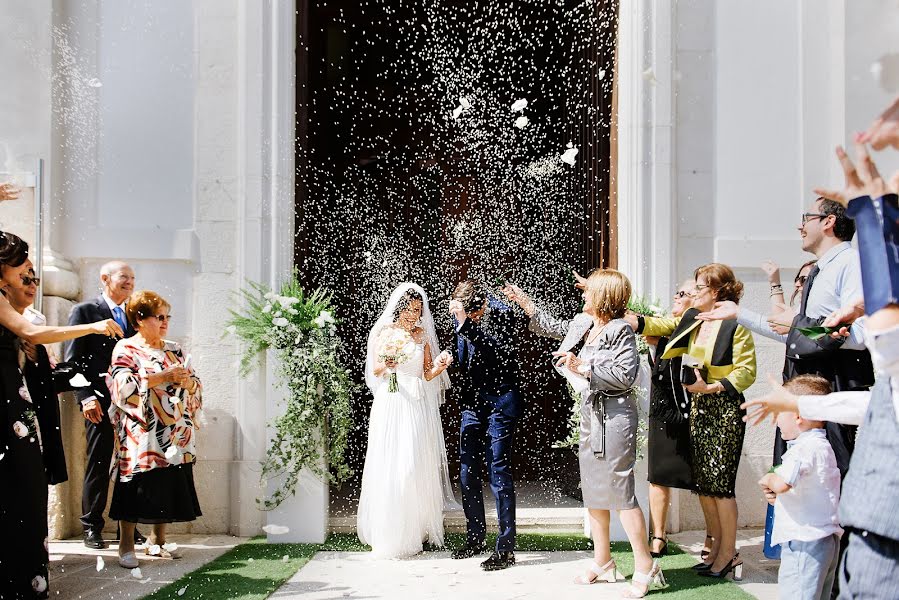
608 573
655 579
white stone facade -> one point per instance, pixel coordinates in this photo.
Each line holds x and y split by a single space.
182 163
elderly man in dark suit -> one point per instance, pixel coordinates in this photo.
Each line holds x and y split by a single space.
91 356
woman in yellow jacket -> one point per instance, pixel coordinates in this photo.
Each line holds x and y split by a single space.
725 357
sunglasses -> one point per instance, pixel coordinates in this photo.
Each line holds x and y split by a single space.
682 294
801 279
29 280
700 287
161 318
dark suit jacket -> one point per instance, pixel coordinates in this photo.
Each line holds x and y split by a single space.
486 353
92 354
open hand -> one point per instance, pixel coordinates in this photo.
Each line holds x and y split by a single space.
884 131
845 315
519 297
721 311
861 178
700 386
772 271
458 311
776 401
9 192
580 282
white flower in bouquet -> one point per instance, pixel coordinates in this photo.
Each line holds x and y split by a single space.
323 318
279 321
396 345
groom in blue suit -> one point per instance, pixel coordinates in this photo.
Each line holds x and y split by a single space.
491 406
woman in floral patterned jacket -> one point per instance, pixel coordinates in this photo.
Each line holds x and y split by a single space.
155 400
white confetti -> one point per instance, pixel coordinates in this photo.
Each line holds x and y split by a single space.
171 452
170 546
182 590
275 529
568 156
94 83
519 105
649 76
39 584
464 102
100 564
457 111
79 381
601 74
154 550
286 558
136 573
521 122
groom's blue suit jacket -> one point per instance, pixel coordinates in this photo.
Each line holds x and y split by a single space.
486 353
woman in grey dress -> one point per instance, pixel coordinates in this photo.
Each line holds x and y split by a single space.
604 373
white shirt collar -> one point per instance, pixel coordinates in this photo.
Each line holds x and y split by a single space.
112 304
832 254
808 434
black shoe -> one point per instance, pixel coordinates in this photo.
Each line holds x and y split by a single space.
732 568
93 540
699 568
661 552
467 551
499 561
139 538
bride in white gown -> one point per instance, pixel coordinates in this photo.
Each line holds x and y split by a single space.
405 482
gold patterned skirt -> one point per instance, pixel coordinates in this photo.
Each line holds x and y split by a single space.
716 439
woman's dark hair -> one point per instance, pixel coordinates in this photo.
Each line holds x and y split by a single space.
405 300
13 249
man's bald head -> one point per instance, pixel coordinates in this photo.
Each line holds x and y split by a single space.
117 280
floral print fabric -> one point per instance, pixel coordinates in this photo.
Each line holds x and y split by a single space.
154 427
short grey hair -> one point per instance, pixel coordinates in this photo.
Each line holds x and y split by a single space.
112 266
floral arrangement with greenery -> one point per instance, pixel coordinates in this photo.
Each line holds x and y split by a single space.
642 306
301 331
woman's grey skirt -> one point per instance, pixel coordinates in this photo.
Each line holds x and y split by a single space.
607 480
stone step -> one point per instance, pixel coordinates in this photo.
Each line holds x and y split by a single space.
560 520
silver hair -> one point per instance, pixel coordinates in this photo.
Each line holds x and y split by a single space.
111 267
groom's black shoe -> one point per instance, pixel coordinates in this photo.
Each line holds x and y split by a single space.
499 561
467 551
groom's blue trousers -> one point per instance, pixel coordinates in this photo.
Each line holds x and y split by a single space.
487 433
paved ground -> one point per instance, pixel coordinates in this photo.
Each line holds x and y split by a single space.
334 575
74 574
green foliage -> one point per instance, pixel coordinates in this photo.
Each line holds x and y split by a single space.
300 330
573 439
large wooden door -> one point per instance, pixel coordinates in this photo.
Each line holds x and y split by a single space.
391 187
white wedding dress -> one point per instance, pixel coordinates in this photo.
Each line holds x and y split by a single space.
405 483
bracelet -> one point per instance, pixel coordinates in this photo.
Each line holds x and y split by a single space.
777 286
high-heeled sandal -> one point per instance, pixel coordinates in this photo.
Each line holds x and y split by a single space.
735 569
607 573
705 553
663 551
655 579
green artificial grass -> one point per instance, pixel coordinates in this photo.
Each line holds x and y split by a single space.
255 569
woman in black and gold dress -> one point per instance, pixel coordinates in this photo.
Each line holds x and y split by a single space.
725 353
23 502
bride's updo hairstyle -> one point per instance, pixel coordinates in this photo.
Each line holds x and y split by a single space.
722 280
608 292
407 298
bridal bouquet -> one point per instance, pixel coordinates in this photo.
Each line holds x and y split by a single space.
396 345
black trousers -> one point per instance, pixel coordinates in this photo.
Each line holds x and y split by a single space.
96 477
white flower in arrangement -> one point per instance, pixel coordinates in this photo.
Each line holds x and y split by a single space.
568 156
79 380
521 122
287 301
323 318
20 429
269 295
464 102
267 308
519 105
279 321
292 311
277 314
